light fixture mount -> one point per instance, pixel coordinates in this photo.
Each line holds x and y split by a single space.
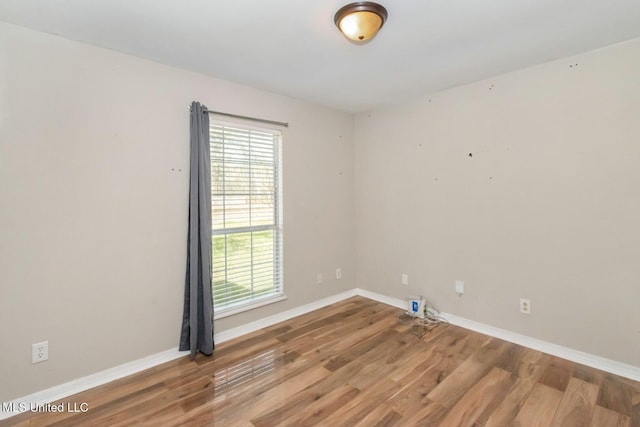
360 21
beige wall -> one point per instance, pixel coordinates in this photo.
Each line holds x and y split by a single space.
547 207
93 214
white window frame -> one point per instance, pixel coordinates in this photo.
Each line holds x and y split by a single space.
278 295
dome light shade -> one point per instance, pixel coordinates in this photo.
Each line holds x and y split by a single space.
360 21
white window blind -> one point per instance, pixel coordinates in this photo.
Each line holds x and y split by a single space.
246 217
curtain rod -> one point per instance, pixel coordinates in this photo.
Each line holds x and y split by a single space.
271 122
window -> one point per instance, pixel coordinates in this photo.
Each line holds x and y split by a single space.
246 217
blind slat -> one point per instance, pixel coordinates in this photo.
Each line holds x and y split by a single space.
245 216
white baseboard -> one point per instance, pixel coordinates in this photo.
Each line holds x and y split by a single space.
612 366
395 302
67 389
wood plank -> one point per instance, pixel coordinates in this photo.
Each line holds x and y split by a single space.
527 372
431 414
481 395
273 398
459 342
144 408
506 412
357 350
303 399
532 365
615 395
609 418
319 410
381 416
391 358
328 321
454 386
558 373
577 404
587 374
635 408
364 403
539 408
417 385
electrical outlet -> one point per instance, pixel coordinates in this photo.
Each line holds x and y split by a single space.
525 306
459 287
405 279
40 352
319 279
338 273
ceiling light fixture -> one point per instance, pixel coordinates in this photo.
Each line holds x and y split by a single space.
360 21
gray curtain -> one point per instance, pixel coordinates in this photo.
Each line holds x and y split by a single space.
197 318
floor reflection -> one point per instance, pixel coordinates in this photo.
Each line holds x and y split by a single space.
230 379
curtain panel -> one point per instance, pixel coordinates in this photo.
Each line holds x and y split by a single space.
197 318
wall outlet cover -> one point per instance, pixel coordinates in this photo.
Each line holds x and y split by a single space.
525 306
40 352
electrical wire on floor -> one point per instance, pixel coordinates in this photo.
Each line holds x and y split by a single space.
422 324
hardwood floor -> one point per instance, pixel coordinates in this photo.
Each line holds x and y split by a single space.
354 364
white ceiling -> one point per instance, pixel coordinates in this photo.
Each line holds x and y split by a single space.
292 47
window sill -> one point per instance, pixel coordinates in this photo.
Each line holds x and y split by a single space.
230 311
